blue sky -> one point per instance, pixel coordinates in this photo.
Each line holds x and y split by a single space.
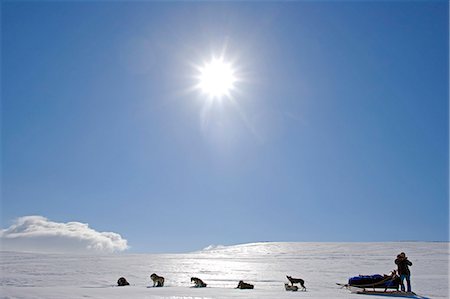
337 130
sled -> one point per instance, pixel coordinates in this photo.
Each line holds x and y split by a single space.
370 284
388 284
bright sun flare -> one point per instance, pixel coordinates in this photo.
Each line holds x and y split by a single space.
217 78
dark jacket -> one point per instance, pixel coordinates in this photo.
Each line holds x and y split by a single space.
402 264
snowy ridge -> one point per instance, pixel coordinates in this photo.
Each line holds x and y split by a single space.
213 247
265 265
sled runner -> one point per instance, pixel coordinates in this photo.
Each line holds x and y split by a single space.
388 293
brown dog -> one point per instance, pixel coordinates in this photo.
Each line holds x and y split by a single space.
158 281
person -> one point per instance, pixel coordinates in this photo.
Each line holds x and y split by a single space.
403 264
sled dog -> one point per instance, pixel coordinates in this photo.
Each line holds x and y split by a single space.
290 288
158 281
122 282
198 282
242 285
297 280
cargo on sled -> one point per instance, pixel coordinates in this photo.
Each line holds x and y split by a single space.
387 285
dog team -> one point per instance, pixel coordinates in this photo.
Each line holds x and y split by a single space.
158 281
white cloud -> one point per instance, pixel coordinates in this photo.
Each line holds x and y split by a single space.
37 233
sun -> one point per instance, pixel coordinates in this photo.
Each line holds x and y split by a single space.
216 78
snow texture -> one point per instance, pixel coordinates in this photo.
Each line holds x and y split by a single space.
321 265
37 233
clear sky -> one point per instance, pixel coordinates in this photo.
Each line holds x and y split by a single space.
337 129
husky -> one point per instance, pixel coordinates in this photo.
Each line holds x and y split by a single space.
242 285
122 282
198 282
290 288
297 280
158 281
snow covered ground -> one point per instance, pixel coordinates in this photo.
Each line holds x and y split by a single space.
321 265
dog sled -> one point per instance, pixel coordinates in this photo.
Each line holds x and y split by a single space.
381 285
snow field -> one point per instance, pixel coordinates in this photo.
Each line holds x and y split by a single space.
321 265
